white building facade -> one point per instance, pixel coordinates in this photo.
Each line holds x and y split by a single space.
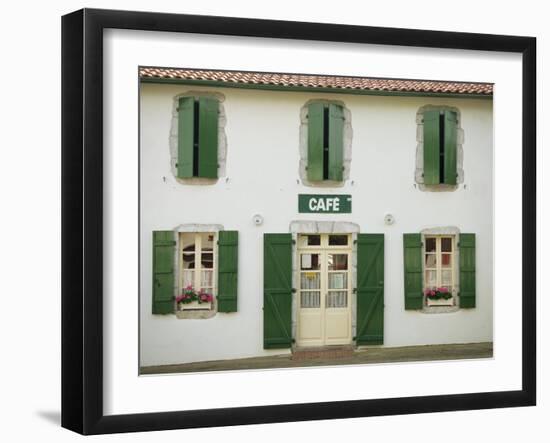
283 216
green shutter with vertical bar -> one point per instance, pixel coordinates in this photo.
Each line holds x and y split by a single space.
185 137
163 272
228 264
431 147
370 289
467 253
336 143
208 137
277 290
449 129
315 142
412 259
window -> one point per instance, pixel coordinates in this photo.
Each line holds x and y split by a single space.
195 274
196 287
439 270
438 261
197 137
325 151
440 147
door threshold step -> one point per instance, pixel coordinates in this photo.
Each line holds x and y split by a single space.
322 352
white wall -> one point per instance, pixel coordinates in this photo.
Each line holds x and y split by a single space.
262 171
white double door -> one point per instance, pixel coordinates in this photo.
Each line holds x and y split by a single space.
324 297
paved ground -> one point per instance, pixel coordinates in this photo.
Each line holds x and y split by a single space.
364 356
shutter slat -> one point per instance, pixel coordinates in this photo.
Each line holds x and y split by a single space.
370 289
336 143
431 147
185 137
450 148
163 272
208 137
228 263
315 142
467 252
412 259
277 290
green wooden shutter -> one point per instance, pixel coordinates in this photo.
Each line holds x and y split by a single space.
449 171
370 289
228 261
163 272
467 252
208 137
185 137
431 147
315 142
277 290
412 258
336 143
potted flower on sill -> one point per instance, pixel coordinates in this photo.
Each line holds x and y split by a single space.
438 296
191 299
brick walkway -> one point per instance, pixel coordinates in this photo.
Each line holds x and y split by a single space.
363 356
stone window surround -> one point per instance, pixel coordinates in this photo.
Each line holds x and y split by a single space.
419 165
193 228
222 139
455 232
323 227
348 136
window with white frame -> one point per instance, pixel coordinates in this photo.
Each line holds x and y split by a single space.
439 270
197 270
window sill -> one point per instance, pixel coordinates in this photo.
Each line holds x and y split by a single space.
197 311
440 309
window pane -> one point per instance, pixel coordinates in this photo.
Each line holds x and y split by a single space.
446 277
446 260
310 299
313 240
337 262
187 242
310 280
431 260
310 262
338 280
431 278
207 241
188 260
446 244
337 240
337 299
207 260
188 278
207 279
430 244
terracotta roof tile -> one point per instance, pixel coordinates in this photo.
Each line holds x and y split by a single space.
319 81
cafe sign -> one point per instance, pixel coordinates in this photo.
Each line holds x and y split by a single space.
324 203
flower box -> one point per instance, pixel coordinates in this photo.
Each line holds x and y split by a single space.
440 302
194 305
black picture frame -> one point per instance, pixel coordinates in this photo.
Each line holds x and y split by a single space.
82 218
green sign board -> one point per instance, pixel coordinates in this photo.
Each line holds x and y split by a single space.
324 203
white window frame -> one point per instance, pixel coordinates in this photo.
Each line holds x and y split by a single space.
439 268
197 274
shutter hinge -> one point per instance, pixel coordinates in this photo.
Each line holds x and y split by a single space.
293 290
293 241
355 290
355 241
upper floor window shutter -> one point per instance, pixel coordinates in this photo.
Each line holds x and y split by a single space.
450 124
336 143
163 272
315 132
277 290
208 137
412 258
431 147
467 253
185 137
228 264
